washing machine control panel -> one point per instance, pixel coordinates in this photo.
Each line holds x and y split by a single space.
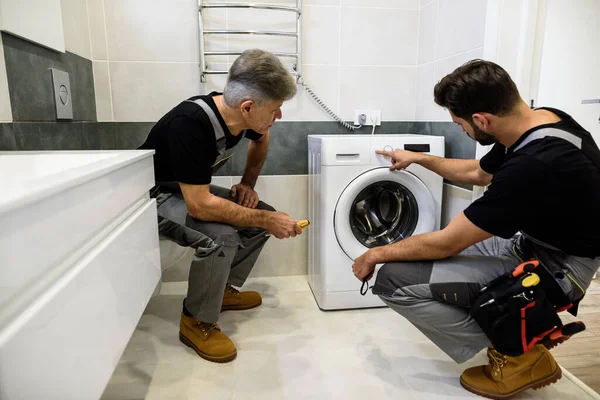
383 160
412 142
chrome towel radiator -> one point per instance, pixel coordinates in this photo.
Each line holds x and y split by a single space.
297 65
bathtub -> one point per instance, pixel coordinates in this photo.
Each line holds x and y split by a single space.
79 260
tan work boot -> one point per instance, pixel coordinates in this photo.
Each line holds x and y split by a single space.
206 339
506 376
233 299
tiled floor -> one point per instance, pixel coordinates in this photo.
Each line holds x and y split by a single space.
289 349
581 354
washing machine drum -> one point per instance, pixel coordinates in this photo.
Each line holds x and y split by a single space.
381 207
383 213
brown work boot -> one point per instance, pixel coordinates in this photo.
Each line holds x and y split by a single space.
206 339
506 376
233 299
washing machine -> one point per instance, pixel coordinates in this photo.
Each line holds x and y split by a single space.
356 203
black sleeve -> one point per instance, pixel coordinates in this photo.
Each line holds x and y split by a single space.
492 161
510 198
193 150
250 134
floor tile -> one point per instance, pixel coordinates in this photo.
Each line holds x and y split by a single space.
289 349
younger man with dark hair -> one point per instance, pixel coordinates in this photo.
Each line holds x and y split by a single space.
543 175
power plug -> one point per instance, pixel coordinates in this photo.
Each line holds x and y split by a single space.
362 119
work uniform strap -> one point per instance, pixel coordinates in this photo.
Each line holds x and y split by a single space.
544 132
218 129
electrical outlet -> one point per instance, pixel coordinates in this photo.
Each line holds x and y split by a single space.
370 114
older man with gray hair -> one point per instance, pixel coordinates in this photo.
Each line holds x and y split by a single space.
226 228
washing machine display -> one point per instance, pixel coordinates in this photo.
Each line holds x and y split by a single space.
383 213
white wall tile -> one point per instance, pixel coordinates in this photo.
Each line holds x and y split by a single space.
269 43
97 29
443 68
321 35
425 84
424 3
288 194
144 92
214 82
390 89
5 108
405 4
427 28
454 200
320 2
215 19
223 181
102 91
278 2
324 81
161 30
268 20
461 26
377 36
76 27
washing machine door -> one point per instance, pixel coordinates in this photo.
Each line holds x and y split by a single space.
381 207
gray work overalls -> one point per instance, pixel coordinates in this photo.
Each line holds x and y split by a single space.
222 253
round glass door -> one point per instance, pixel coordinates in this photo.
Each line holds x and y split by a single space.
381 207
383 213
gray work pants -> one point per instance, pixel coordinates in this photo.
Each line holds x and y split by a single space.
435 296
222 253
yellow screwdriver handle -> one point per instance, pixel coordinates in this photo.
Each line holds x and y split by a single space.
531 280
303 223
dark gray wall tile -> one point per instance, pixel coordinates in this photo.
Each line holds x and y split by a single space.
48 136
288 149
30 82
27 136
82 86
458 143
98 135
226 170
461 185
130 135
7 137
61 136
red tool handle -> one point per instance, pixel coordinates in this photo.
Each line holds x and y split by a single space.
527 266
568 330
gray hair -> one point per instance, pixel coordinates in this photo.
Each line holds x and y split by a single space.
259 76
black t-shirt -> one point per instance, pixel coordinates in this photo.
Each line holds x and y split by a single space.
548 189
185 144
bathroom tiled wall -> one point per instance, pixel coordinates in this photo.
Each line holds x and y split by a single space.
451 33
30 84
131 61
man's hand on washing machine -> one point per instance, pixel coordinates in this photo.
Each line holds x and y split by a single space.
364 266
400 159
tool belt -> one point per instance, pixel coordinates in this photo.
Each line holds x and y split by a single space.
520 309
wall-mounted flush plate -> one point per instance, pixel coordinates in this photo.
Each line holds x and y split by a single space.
62 94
